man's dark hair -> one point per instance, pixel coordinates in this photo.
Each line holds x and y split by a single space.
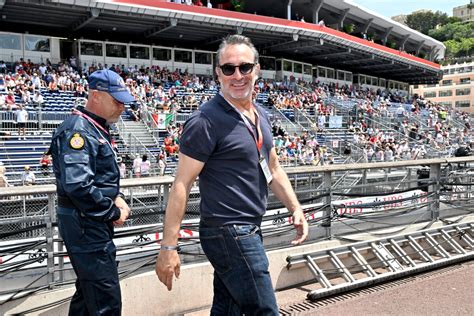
236 39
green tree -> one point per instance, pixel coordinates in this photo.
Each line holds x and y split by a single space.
426 20
463 47
455 31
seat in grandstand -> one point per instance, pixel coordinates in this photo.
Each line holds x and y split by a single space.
17 153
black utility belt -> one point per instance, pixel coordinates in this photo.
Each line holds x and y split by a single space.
64 201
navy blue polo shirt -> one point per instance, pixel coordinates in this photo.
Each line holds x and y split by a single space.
232 185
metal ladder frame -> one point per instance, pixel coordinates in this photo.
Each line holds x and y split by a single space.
386 258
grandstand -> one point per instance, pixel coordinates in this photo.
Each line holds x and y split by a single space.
317 82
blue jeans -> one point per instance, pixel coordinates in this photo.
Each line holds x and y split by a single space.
242 283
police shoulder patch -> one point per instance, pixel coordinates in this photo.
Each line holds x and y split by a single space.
76 141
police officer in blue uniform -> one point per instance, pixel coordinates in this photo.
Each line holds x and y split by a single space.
89 201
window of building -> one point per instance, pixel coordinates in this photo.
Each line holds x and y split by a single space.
307 69
374 81
91 49
415 86
465 80
445 93
340 75
321 72
431 85
465 91
139 52
202 58
10 41
446 82
356 79
298 68
183 56
116 50
451 71
446 71
330 73
463 104
469 69
279 65
287 65
446 103
348 76
267 63
162 54
37 44
431 94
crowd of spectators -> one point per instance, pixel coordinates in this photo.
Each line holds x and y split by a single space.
417 124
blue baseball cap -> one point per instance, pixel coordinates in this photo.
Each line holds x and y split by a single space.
110 82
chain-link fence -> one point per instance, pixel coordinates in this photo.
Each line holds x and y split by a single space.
29 237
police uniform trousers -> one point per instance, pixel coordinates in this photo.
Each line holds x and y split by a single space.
92 254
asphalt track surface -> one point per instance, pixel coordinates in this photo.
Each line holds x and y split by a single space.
447 291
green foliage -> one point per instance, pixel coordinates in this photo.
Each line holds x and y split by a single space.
238 5
459 48
425 21
453 19
453 31
391 44
458 38
348 28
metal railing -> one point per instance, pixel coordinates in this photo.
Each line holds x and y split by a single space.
29 238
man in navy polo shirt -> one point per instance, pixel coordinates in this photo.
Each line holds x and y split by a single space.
228 144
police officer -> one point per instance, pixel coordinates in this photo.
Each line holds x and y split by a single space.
89 201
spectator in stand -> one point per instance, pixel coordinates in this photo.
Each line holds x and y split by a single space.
42 69
28 177
45 162
162 164
37 99
136 165
10 101
3 105
3 67
21 120
209 4
170 146
36 82
3 178
122 167
145 165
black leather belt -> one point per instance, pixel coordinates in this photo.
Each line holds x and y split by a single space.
64 201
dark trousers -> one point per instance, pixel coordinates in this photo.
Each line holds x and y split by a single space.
242 283
92 254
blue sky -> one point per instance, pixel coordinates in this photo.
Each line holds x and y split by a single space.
390 8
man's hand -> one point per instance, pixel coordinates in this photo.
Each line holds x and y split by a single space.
167 265
301 226
124 211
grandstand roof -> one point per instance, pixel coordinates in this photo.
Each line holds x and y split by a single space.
170 24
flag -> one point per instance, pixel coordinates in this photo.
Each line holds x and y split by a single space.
164 120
